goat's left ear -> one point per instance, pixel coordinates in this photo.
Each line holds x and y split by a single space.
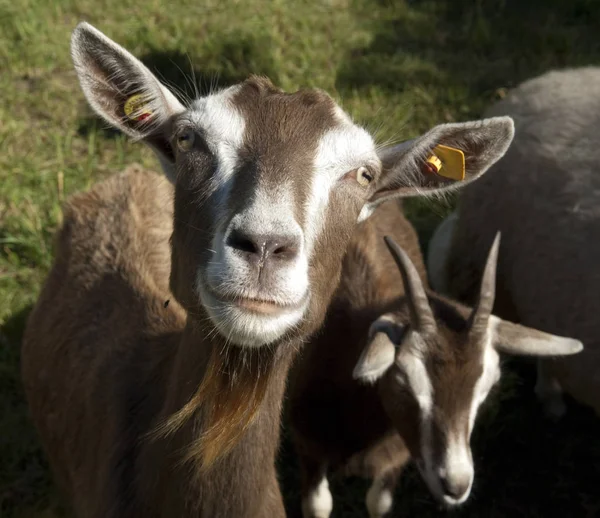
405 171
380 351
525 341
124 92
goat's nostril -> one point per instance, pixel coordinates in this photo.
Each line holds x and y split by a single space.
247 246
259 247
282 251
242 243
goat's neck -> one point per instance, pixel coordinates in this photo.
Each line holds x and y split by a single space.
243 482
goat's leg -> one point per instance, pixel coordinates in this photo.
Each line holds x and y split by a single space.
380 496
317 501
549 391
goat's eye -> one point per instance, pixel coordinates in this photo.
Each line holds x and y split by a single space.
363 176
185 140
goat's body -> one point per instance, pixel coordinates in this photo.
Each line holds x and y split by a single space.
325 400
98 284
544 197
95 390
268 189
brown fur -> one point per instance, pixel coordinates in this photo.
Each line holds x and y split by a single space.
339 423
112 262
233 388
284 122
162 384
370 285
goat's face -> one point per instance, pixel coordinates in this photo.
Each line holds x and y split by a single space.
268 186
432 393
276 182
436 362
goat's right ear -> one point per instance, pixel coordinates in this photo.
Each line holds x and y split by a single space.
482 143
123 91
380 350
521 340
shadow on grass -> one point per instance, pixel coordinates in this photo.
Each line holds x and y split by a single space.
229 63
461 53
24 477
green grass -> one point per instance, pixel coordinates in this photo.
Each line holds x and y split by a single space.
397 66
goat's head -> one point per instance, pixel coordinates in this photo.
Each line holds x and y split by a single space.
268 186
435 363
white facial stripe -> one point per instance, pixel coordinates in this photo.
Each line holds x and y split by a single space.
224 128
413 364
229 274
222 122
340 150
489 376
319 503
457 454
457 462
271 213
458 465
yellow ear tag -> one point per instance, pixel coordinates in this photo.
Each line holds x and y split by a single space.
453 162
135 108
433 164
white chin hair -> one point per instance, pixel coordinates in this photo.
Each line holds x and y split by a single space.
246 329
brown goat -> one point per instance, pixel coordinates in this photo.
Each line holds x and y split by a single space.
429 363
153 411
546 199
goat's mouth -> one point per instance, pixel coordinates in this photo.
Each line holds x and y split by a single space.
251 321
260 306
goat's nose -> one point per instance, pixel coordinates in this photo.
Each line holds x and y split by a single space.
260 248
455 487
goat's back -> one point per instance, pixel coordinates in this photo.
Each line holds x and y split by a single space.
88 339
544 196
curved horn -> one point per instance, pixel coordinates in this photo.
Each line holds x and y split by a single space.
420 313
487 293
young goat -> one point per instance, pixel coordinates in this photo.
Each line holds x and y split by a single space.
544 196
426 365
153 411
